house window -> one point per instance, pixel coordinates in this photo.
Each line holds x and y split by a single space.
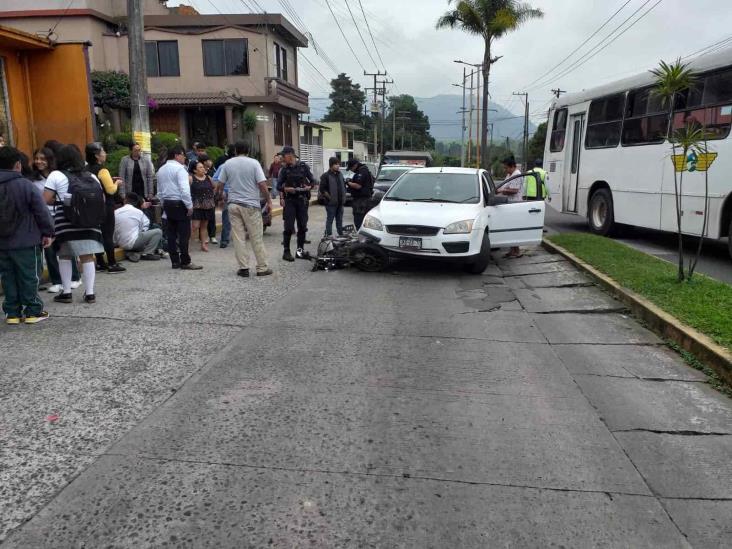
280 57
605 121
646 118
288 129
559 131
5 121
225 57
161 58
278 129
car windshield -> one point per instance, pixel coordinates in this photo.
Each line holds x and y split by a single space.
391 175
455 188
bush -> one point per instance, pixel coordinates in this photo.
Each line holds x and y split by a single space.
164 139
123 139
113 160
214 152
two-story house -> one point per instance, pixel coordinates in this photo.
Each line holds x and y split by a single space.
204 71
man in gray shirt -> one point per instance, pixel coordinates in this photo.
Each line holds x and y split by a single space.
247 187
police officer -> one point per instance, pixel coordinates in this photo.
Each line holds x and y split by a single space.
536 183
361 187
294 183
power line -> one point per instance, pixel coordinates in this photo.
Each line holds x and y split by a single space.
594 51
368 26
359 33
607 22
53 30
327 2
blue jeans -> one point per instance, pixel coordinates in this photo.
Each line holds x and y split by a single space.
225 226
334 212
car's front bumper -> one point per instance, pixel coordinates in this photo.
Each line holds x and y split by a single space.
443 246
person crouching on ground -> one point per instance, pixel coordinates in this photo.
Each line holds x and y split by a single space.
204 203
332 191
132 231
25 227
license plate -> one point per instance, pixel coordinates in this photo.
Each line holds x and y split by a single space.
410 243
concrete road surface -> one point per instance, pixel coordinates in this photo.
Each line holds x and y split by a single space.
415 408
714 261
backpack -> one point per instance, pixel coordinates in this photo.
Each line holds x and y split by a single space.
86 207
9 214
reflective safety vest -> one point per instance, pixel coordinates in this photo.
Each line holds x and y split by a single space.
531 192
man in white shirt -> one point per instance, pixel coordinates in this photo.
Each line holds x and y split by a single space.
174 192
132 231
247 187
515 192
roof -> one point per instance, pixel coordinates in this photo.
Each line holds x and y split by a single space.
230 20
315 125
409 154
702 63
194 99
20 40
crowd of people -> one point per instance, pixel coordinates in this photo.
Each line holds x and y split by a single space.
64 209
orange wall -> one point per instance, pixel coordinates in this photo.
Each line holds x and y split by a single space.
62 108
18 99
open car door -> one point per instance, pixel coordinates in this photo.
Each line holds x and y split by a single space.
514 223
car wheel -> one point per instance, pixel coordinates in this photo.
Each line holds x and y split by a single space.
369 258
729 239
601 215
481 263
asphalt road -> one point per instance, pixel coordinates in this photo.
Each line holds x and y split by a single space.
714 261
415 408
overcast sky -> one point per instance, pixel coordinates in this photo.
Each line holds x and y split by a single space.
420 58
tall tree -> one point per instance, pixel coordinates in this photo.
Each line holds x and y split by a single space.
412 125
489 19
346 101
537 143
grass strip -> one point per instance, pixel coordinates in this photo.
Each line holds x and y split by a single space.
704 304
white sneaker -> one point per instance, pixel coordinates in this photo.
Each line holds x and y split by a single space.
75 284
56 288
214 241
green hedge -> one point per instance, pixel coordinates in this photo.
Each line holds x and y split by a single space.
114 158
214 152
164 139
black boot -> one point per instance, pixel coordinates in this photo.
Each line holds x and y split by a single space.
287 255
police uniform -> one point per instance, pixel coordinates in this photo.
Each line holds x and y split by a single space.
361 197
296 176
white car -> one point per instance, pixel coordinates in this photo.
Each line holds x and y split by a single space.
451 214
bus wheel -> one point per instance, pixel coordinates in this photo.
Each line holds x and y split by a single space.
601 216
729 240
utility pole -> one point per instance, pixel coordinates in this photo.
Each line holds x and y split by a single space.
375 107
477 130
525 95
463 111
138 76
382 91
470 121
558 92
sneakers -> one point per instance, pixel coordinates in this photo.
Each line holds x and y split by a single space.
89 298
101 267
134 257
56 288
302 254
265 273
287 256
213 240
244 273
74 284
40 317
223 245
12 320
176 265
191 267
64 298
150 257
114 269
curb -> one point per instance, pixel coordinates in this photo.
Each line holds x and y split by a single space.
661 322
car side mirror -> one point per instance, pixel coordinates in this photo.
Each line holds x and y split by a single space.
495 200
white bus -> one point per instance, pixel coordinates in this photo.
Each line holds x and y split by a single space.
608 156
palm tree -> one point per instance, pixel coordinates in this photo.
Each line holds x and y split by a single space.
671 80
489 19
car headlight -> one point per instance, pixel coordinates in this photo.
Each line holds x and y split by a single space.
370 222
459 227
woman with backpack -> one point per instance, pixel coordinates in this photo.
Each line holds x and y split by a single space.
78 201
44 162
204 202
96 156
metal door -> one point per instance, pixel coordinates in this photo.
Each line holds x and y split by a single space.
577 126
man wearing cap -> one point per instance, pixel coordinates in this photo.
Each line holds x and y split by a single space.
361 187
294 183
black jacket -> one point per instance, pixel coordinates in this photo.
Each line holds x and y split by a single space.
364 178
35 220
335 186
298 175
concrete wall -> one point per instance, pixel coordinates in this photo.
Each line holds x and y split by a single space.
112 8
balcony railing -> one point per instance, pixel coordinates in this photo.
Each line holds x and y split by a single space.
287 94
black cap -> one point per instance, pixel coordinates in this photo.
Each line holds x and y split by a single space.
287 150
352 162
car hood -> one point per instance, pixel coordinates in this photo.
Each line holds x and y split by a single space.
430 214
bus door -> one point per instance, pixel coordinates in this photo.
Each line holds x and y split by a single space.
571 182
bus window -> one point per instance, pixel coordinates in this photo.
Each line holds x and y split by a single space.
646 118
559 131
605 121
707 105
